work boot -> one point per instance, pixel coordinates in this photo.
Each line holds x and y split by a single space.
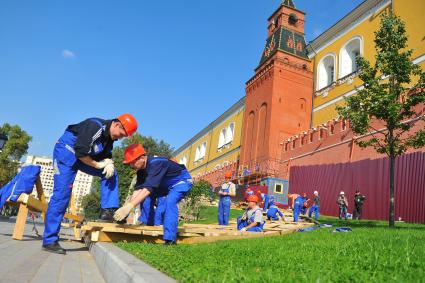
54 248
106 215
169 243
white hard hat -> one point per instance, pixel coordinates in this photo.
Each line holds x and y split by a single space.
315 192
341 193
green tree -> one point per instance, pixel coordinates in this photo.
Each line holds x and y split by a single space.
13 150
91 205
191 205
389 97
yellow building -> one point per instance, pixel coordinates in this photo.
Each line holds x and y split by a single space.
334 52
217 145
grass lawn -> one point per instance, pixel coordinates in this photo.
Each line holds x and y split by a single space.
371 253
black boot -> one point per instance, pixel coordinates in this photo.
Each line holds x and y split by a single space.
106 215
54 248
169 243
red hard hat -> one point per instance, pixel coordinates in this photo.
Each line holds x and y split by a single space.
253 198
129 123
132 152
228 174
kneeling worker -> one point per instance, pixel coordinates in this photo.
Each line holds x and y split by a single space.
252 219
157 176
274 212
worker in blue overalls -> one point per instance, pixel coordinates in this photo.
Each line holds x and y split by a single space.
305 204
273 212
227 190
298 204
157 176
87 147
265 199
316 205
252 220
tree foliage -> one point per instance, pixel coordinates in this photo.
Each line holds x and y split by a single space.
191 205
392 88
12 152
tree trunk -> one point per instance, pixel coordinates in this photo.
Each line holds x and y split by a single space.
391 218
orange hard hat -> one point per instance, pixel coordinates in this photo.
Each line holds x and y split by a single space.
253 198
228 174
129 123
132 152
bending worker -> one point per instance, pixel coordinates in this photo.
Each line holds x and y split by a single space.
157 176
252 219
297 204
274 212
87 147
316 205
227 190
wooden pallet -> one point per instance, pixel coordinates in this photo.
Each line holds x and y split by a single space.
188 233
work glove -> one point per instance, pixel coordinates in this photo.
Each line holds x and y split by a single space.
109 170
123 211
102 164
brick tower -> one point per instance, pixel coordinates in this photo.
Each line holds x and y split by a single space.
279 95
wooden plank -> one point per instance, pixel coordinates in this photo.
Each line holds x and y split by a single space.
40 195
118 237
95 236
245 235
21 220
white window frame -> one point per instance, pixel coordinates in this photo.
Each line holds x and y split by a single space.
343 53
321 72
230 133
222 138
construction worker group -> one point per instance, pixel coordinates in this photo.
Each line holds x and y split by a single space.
87 146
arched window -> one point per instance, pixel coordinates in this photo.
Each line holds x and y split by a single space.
222 138
229 133
183 160
203 150
326 71
197 153
348 55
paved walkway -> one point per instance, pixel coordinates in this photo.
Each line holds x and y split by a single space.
24 261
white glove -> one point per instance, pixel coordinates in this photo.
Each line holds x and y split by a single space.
102 164
243 229
123 211
109 170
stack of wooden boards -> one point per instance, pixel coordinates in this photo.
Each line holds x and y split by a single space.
187 233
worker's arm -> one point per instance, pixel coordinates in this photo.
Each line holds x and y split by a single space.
253 224
90 162
139 196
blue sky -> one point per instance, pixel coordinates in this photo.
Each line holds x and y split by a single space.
176 65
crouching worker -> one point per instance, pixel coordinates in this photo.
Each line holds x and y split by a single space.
157 176
252 219
274 212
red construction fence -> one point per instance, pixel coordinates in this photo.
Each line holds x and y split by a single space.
371 177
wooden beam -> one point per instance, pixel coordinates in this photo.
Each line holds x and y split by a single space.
40 195
21 220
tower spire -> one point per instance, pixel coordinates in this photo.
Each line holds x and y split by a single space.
288 3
